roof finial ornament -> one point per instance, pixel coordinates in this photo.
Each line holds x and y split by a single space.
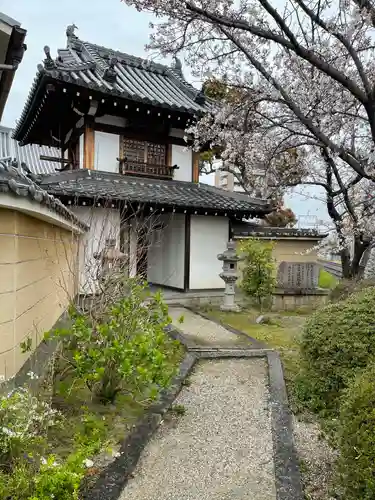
49 63
110 73
177 65
70 31
73 41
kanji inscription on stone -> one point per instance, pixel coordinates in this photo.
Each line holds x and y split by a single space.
298 275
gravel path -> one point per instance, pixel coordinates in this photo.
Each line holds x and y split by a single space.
317 458
205 332
221 449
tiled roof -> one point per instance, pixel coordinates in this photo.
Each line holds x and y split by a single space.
12 38
116 73
243 229
10 151
107 186
14 181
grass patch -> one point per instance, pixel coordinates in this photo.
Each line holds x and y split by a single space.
282 333
327 280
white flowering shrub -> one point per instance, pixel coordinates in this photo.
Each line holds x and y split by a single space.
24 421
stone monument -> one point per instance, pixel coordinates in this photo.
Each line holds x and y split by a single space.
298 276
229 275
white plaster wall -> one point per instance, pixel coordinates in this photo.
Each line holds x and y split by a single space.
107 150
166 254
104 224
182 157
81 150
208 238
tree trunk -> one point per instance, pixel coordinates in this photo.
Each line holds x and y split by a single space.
352 267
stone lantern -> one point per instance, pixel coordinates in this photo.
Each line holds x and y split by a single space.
229 276
111 260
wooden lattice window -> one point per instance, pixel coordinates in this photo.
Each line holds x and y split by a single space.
156 153
144 152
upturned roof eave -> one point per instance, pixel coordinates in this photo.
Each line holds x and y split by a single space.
16 44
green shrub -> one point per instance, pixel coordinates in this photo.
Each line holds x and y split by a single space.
61 481
356 437
24 423
337 340
127 349
41 479
344 288
258 275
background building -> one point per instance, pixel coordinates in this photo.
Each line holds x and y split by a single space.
227 180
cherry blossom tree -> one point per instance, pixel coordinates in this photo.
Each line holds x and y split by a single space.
297 97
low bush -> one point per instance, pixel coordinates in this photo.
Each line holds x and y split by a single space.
24 422
356 437
258 275
337 340
344 288
120 355
125 350
46 478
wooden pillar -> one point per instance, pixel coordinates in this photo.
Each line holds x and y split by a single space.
195 176
88 147
73 154
169 155
187 252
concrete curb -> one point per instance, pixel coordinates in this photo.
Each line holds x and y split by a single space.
287 472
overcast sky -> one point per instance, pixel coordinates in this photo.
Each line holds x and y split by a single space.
105 22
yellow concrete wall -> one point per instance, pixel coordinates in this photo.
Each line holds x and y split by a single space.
38 277
290 250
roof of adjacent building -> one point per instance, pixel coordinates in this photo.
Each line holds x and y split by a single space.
12 48
91 184
13 180
248 229
118 74
11 151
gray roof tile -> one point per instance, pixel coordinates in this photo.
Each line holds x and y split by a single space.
247 229
116 73
14 181
106 186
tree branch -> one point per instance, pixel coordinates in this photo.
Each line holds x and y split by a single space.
293 45
346 43
343 154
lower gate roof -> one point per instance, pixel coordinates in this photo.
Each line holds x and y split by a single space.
98 186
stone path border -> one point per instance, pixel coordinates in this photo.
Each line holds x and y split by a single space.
288 483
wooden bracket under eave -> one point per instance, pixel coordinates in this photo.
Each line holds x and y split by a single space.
88 147
195 176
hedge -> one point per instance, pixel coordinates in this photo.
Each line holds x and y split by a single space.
337 341
356 437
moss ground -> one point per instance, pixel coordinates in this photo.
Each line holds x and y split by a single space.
282 333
